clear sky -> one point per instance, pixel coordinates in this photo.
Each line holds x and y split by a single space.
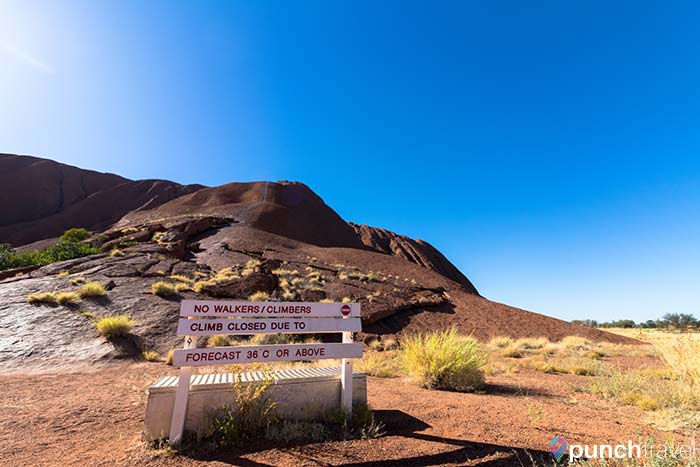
549 149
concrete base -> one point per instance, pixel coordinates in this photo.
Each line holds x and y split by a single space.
299 393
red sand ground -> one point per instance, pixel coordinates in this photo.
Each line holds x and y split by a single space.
95 419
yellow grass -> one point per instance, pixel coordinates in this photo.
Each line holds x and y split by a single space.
150 356
218 340
379 364
259 297
92 289
444 360
76 280
67 298
115 326
163 289
44 297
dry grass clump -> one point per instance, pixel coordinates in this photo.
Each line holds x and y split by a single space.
182 287
180 278
163 289
62 274
150 356
116 252
67 298
259 296
218 340
531 343
250 267
358 276
48 298
501 342
682 356
92 289
76 280
115 326
169 357
444 360
280 339
380 364
672 392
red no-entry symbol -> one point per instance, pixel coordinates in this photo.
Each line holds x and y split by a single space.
345 310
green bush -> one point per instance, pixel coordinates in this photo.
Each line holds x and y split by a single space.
75 235
444 360
64 250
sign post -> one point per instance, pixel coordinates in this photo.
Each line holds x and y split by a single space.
246 318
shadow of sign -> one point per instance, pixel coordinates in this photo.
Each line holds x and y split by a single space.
398 425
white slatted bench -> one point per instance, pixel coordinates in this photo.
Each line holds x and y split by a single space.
298 392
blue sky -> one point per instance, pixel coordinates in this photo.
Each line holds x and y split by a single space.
549 149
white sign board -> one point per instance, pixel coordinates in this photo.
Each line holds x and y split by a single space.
234 309
241 318
264 353
247 326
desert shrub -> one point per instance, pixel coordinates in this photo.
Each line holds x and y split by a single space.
169 357
44 297
61 251
251 414
346 300
218 340
444 360
115 326
75 235
67 298
92 289
150 355
163 289
259 297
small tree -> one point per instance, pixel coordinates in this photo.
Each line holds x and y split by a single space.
679 321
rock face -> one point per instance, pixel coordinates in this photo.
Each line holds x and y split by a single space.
276 240
415 251
41 198
288 209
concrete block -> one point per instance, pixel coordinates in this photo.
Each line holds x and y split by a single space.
299 393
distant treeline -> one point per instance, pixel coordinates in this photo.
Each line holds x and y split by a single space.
678 321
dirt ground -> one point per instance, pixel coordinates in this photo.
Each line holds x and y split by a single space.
95 418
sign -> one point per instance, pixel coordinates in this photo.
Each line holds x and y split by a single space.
210 317
247 326
233 309
264 353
